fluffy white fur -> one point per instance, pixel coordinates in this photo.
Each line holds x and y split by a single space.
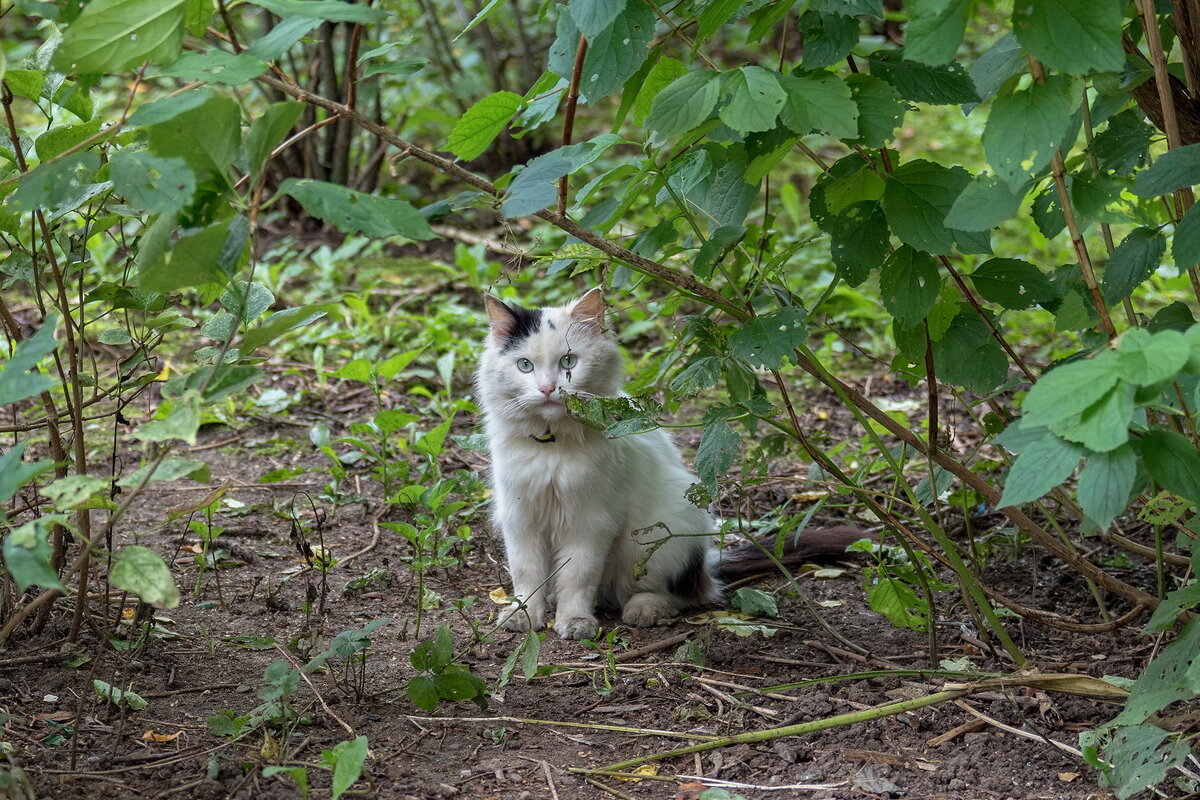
580 513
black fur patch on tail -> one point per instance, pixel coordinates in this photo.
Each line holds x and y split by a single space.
692 583
743 561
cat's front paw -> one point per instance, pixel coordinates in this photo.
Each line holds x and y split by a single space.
647 610
577 627
522 618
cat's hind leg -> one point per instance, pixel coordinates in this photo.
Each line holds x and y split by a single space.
678 576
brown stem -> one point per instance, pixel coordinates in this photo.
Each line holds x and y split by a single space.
569 117
969 296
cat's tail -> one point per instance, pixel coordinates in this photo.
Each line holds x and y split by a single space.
745 560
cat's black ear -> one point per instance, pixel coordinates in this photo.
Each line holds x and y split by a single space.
590 308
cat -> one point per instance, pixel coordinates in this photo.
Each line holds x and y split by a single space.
586 520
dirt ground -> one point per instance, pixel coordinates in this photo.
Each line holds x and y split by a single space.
536 739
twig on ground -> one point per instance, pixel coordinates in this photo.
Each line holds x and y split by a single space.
653 647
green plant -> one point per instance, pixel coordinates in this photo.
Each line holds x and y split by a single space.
348 652
345 760
440 677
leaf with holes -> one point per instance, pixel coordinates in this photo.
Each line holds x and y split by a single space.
719 447
909 285
916 199
1026 127
113 35
143 572
753 98
1074 36
684 104
765 341
1012 283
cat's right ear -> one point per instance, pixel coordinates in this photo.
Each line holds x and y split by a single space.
502 318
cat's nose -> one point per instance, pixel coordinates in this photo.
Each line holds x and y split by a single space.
547 388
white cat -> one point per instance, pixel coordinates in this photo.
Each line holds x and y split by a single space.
589 520
578 511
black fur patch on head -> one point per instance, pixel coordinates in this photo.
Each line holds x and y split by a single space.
693 581
526 322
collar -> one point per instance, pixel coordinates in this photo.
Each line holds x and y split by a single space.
545 438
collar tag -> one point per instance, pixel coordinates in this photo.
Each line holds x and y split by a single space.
545 438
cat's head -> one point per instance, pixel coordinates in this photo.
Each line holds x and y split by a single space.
533 355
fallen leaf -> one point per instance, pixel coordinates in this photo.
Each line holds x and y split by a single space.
192 548
830 603
499 596
128 613
1068 776
828 572
690 791
151 736
644 769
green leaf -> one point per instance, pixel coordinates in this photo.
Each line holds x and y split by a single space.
1070 389
819 102
983 204
1041 466
664 72
897 601
118 697
700 374
57 186
1146 359
880 109
1173 170
1106 483
713 251
1104 425
1072 36
719 446
113 35
357 212
142 571
617 52
268 130
181 422
74 490
935 30
391 367
278 323
17 383
168 107
63 137
714 15
765 341
1141 757
430 443
916 199
1025 128
171 469
1000 63
1185 246
150 182
1172 461
15 473
27 554
206 135
921 83
684 104
297 774
1173 676
331 10
859 241
216 66
1124 146
347 759
478 128
828 38
909 285
1012 283
870 8
968 355
246 301
195 258
357 370
753 99
1136 258
755 602
533 188
591 17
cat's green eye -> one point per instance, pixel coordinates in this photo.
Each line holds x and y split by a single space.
568 361
525 365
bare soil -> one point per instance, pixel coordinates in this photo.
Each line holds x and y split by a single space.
536 739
